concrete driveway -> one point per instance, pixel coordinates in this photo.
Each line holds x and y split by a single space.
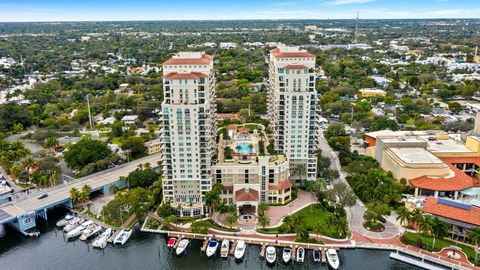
276 213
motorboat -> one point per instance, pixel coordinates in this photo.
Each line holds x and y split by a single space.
61 223
271 254
212 247
225 248
332 258
240 250
72 224
300 254
90 231
182 245
102 239
317 255
87 223
287 254
122 237
171 242
75 232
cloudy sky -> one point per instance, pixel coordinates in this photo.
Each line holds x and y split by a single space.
102 10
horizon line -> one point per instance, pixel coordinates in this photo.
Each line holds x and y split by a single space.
231 20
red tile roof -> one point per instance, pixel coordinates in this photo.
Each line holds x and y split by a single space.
458 182
282 185
232 127
471 216
228 187
278 54
205 60
295 67
185 76
243 196
244 129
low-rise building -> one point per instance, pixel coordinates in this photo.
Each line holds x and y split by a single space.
372 92
153 146
129 119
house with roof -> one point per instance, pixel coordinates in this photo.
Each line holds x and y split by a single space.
129 119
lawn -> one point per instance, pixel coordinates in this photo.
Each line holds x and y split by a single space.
311 215
410 238
117 141
202 226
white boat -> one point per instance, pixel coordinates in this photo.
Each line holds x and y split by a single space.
182 245
75 232
122 237
212 247
225 248
87 223
332 258
90 231
61 223
286 254
240 249
102 239
300 254
317 255
72 224
271 254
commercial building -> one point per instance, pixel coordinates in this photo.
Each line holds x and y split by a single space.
188 130
153 146
292 108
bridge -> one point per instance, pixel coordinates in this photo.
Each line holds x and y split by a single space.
21 213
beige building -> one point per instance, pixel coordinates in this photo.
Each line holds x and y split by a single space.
153 146
293 105
371 92
188 130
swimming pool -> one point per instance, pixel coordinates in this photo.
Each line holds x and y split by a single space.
244 149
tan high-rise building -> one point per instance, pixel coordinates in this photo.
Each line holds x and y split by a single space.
292 108
188 130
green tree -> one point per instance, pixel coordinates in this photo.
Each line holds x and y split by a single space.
263 209
142 178
212 197
86 151
403 215
374 212
300 171
474 235
263 221
454 106
116 129
232 219
74 195
136 146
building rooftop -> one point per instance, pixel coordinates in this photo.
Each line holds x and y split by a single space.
415 155
372 90
246 195
190 58
295 67
444 146
185 75
282 185
459 181
290 52
455 210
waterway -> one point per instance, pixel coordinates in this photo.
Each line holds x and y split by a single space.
148 251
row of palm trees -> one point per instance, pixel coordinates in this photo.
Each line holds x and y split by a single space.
81 196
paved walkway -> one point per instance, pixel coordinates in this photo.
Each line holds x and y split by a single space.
276 213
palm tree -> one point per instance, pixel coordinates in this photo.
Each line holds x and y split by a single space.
15 170
262 209
318 229
331 221
212 197
288 223
238 148
474 235
29 163
250 146
439 229
301 232
417 217
403 215
84 195
232 219
264 221
74 195
54 174
43 180
426 226
300 170
148 165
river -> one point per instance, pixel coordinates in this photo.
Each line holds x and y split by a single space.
148 251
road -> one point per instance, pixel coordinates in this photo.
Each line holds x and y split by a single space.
95 181
355 213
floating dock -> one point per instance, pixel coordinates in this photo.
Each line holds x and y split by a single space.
420 262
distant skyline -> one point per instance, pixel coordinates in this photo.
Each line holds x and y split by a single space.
123 10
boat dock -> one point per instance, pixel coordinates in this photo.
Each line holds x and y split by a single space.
234 246
262 250
408 259
324 255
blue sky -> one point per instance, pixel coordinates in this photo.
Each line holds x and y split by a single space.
101 10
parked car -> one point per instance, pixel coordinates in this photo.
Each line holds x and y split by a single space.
382 219
43 196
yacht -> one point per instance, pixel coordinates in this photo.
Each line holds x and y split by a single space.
182 245
75 232
240 249
300 254
225 248
102 239
271 254
72 224
171 242
316 255
332 258
90 231
286 254
212 247
61 223
122 237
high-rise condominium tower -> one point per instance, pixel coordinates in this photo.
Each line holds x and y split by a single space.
292 108
188 130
